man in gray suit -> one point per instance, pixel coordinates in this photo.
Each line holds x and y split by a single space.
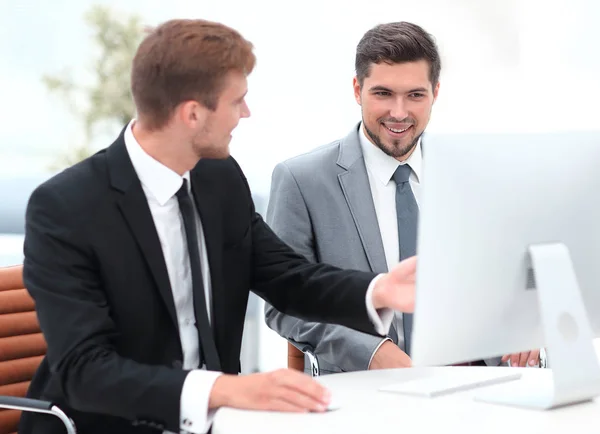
354 203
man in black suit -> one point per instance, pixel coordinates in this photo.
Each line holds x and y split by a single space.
141 258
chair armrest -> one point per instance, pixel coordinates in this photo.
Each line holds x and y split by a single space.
37 406
25 403
312 358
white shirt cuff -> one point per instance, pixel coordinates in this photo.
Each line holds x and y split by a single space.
382 318
377 349
195 417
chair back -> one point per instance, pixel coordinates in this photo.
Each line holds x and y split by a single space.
295 358
22 345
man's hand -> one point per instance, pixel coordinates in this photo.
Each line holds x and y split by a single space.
396 289
389 356
283 390
522 359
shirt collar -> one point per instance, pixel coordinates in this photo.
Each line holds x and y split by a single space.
158 179
382 165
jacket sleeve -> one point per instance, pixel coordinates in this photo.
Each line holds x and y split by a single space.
289 217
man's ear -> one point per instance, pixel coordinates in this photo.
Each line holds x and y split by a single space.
192 114
356 86
436 90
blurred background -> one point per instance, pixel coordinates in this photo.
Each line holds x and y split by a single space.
508 66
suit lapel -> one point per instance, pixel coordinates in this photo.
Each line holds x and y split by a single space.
133 205
354 182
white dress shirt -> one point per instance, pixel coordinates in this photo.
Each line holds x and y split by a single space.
160 184
380 169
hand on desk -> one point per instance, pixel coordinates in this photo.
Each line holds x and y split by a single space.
389 356
396 289
523 359
282 390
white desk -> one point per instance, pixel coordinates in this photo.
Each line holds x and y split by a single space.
366 410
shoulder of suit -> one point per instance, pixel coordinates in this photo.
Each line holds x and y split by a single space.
78 187
80 175
319 157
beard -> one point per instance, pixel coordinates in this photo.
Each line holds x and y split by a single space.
396 150
216 150
213 152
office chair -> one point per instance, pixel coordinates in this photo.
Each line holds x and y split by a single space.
296 358
22 348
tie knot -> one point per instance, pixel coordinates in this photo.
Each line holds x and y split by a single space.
402 174
183 190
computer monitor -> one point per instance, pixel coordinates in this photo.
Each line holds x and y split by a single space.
509 257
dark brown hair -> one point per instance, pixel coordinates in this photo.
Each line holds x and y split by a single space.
397 43
184 60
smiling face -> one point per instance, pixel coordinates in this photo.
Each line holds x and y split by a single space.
396 101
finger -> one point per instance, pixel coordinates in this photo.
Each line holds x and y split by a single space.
406 269
514 359
523 359
305 385
505 358
534 358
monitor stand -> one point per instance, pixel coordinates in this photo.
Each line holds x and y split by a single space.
575 372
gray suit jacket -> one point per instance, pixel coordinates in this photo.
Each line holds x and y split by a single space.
321 205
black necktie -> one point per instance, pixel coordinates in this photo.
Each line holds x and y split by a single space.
208 349
407 213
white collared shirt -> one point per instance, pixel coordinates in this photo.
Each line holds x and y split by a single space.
160 184
380 169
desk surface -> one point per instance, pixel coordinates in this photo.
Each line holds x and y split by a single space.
364 409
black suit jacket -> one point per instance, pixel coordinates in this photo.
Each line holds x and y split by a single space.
94 265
